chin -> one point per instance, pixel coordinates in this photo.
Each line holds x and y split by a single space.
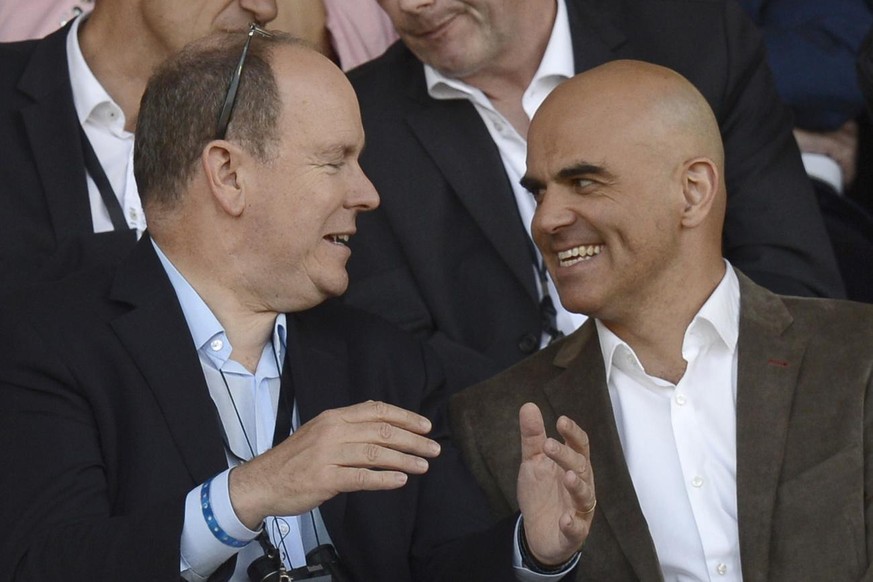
335 288
584 305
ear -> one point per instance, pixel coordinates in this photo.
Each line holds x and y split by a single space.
700 185
222 162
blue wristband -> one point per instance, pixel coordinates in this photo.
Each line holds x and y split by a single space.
212 524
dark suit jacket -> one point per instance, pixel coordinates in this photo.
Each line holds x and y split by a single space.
107 423
45 227
804 441
446 255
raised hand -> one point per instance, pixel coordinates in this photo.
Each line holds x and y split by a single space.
365 447
555 487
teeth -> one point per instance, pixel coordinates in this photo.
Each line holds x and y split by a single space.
577 254
340 239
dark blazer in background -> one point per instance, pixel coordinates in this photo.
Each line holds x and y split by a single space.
812 48
107 423
45 226
446 254
804 441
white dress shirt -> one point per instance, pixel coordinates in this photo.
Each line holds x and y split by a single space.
103 121
679 441
555 67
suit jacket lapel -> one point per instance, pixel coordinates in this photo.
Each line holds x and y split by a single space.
453 134
52 127
318 364
768 365
157 338
596 40
581 393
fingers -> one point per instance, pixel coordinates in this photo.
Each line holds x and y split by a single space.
574 458
376 435
358 479
574 436
372 411
373 456
388 435
533 431
580 486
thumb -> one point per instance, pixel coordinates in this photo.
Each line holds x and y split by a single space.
533 430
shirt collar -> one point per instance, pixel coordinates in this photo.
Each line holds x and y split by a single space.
205 327
557 61
88 93
718 320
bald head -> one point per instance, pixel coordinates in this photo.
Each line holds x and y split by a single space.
626 163
646 110
639 104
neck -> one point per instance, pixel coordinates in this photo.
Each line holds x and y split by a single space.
121 57
506 79
248 328
656 333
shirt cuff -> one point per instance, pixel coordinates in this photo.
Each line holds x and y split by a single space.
823 168
525 574
201 552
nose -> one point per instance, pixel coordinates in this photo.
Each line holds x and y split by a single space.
413 6
552 214
263 11
363 197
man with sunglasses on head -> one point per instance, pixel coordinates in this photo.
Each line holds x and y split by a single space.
68 110
147 407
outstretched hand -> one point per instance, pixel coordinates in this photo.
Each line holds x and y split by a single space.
365 447
555 487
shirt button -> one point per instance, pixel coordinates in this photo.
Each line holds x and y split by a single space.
697 481
528 343
216 345
285 528
681 400
721 569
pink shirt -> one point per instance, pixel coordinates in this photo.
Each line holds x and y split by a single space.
23 19
360 30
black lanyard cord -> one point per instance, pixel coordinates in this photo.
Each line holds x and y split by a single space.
95 170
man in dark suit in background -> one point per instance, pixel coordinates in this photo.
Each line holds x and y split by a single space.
446 114
812 48
730 428
147 408
76 90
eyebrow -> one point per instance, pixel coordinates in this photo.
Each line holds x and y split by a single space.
582 169
336 150
532 184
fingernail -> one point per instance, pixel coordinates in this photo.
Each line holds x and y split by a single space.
434 447
422 464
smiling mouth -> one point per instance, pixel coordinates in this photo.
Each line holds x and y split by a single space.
338 239
578 254
433 30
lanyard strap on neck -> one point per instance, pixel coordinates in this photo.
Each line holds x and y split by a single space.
95 170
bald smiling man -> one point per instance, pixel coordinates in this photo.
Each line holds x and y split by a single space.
729 427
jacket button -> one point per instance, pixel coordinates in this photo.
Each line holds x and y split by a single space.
528 343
